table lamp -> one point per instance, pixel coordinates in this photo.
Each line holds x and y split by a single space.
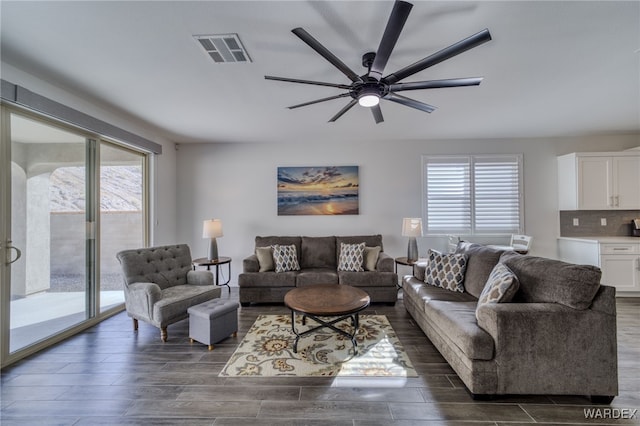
412 228
212 228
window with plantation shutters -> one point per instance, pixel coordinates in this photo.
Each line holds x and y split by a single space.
472 195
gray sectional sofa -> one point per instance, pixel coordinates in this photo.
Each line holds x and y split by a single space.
318 261
556 337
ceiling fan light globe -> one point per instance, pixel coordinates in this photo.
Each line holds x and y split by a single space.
369 100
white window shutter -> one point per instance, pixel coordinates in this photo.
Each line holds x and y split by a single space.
448 195
497 195
473 195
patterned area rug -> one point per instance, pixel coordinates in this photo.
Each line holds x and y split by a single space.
267 350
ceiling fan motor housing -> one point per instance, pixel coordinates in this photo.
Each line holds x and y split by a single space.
369 86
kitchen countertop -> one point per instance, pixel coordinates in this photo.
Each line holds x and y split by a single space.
601 239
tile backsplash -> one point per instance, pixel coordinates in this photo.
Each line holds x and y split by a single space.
589 223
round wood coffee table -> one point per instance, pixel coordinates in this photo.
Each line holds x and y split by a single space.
335 301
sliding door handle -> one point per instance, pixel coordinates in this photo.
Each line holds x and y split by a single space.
18 253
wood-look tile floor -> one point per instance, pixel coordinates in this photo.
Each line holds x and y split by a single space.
110 375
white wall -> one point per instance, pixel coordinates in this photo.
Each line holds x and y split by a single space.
237 184
163 201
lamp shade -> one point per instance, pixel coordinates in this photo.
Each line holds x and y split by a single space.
212 228
412 227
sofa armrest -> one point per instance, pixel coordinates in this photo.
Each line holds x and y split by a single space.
200 277
251 264
553 345
142 297
419 270
385 263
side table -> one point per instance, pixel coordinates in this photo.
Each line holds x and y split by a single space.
222 260
405 262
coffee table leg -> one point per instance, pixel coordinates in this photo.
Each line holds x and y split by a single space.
356 325
355 320
293 328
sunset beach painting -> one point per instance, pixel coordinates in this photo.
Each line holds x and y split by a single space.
329 190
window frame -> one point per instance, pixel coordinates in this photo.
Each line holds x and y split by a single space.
471 160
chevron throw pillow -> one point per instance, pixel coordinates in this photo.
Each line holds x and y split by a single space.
351 257
285 258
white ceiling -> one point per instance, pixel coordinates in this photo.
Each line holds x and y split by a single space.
552 69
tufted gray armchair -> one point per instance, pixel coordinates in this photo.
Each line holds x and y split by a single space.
159 285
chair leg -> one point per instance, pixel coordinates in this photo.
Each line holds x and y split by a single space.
163 334
135 324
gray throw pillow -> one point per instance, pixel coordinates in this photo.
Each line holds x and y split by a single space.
501 286
371 258
265 258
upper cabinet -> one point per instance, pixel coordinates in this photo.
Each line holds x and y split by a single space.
599 181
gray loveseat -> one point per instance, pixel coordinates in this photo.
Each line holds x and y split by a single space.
160 285
556 337
318 261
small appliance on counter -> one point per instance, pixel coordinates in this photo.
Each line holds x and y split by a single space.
635 227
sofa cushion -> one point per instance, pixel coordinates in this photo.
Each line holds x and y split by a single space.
371 258
267 279
480 263
318 252
309 276
368 279
457 321
554 281
351 257
446 270
177 299
265 258
501 286
285 258
418 290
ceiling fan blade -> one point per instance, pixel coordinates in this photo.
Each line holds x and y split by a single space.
396 22
377 114
342 95
442 55
436 84
317 83
325 53
409 102
343 110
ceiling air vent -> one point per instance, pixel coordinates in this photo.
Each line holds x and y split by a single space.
223 47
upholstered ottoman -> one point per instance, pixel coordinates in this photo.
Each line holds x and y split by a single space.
213 321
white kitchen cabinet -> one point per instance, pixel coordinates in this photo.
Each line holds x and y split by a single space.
617 257
621 271
599 181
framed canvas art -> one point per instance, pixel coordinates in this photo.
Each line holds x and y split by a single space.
331 190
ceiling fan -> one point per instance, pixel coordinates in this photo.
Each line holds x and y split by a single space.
368 89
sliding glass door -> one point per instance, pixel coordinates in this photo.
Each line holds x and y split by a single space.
49 280
70 201
122 215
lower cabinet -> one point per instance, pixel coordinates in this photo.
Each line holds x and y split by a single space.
619 261
621 271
